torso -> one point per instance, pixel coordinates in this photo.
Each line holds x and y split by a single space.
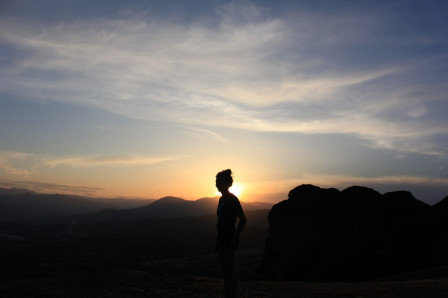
227 212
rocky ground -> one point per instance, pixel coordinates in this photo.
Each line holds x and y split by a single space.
135 283
198 276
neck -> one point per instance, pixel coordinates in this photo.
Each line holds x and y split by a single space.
225 192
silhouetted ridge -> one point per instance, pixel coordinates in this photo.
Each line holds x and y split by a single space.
15 191
308 191
403 207
25 205
355 234
167 200
164 208
29 206
401 196
442 205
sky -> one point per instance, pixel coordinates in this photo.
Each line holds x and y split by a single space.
153 98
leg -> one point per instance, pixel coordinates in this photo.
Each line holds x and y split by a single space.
226 260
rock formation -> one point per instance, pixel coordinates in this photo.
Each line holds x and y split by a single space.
356 234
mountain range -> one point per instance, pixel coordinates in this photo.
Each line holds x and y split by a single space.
316 235
23 205
164 208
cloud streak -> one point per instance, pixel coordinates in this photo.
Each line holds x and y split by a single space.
245 70
9 165
24 164
44 187
101 161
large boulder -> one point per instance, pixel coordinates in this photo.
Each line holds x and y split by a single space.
300 231
354 234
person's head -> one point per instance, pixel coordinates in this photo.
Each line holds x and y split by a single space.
224 180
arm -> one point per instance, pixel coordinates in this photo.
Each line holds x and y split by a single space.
241 224
241 221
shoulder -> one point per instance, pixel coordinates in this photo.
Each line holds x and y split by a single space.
234 199
230 199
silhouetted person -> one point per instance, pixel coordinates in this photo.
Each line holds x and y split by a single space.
229 209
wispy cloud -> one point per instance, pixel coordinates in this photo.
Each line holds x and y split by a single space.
44 187
9 165
10 161
210 133
244 70
101 161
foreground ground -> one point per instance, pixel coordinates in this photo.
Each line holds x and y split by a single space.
172 258
143 284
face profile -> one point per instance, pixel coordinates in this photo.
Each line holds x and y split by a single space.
224 181
222 185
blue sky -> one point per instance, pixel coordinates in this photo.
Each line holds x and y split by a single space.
152 98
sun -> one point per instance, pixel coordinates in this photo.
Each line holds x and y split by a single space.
236 189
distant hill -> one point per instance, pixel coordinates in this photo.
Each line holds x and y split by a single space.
15 191
164 208
26 205
124 203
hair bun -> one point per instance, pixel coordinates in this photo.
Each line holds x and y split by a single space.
226 175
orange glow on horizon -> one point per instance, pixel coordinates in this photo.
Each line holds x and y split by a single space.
237 189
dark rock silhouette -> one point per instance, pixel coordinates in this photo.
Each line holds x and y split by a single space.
442 206
356 234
